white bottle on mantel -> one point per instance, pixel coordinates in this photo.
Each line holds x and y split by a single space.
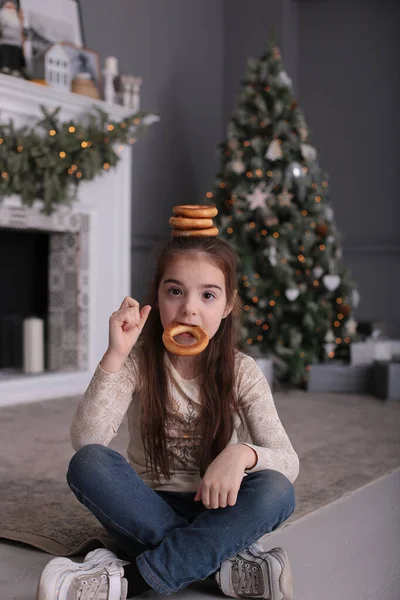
33 332
110 73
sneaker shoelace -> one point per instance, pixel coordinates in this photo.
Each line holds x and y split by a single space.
248 580
93 588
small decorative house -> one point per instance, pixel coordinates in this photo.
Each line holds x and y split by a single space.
58 67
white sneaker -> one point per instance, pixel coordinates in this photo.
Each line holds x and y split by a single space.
98 577
254 573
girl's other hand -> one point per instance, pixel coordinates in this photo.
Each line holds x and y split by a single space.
223 477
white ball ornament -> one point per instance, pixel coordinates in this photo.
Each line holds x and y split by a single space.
317 271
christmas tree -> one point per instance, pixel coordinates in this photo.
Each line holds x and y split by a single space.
274 208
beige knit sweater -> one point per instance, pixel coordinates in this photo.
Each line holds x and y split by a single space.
112 395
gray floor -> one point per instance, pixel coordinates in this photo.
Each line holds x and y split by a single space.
348 550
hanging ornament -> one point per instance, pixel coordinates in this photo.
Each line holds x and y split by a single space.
296 178
308 152
285 198
321 229
329 348
351 326
233 144
292 293
345 309
237 166
329 336
274 151
271 221
331 282
283 80
317 271
258 197
294 170
303 133
355 298
273 255
328 214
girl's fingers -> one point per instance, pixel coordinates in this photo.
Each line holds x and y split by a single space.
129 316
223 499
205 496
214 498
232 497
128 302
144 313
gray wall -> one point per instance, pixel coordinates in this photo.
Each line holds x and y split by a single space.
349 64
177 47
343 58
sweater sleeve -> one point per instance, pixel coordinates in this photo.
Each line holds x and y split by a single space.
269 439
104 405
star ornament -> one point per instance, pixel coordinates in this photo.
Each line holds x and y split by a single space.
285 198
258 198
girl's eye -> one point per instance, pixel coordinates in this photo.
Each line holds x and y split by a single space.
171 290
209 294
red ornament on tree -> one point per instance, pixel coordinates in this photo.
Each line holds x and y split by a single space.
321 229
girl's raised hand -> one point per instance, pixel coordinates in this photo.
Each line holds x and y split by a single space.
125 326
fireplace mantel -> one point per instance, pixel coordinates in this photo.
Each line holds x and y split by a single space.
107 202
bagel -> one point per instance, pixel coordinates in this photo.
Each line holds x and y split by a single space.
184 223
210 232
195 211
174 329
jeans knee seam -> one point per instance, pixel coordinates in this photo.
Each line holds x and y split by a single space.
107 518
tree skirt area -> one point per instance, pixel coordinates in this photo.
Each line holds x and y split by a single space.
343 441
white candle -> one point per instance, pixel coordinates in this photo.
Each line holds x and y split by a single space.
111 65
33 332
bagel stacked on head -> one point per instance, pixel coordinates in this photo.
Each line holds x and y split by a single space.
194 220
190 220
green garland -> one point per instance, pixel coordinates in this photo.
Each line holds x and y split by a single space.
48 161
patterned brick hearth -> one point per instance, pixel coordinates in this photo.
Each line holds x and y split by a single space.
68 302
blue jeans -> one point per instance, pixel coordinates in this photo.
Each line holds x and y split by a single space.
174 539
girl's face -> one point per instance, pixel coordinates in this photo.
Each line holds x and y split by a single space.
192 292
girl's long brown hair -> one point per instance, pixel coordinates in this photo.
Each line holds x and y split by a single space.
216 363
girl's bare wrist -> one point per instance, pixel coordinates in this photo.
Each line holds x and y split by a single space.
249 456
111 362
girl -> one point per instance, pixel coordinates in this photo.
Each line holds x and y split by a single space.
210 467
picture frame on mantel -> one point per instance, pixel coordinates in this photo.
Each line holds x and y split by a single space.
47 22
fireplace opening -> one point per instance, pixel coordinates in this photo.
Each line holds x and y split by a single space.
24 289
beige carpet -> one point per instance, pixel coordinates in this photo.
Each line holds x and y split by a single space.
343 442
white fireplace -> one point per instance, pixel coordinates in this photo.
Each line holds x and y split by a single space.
99 223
